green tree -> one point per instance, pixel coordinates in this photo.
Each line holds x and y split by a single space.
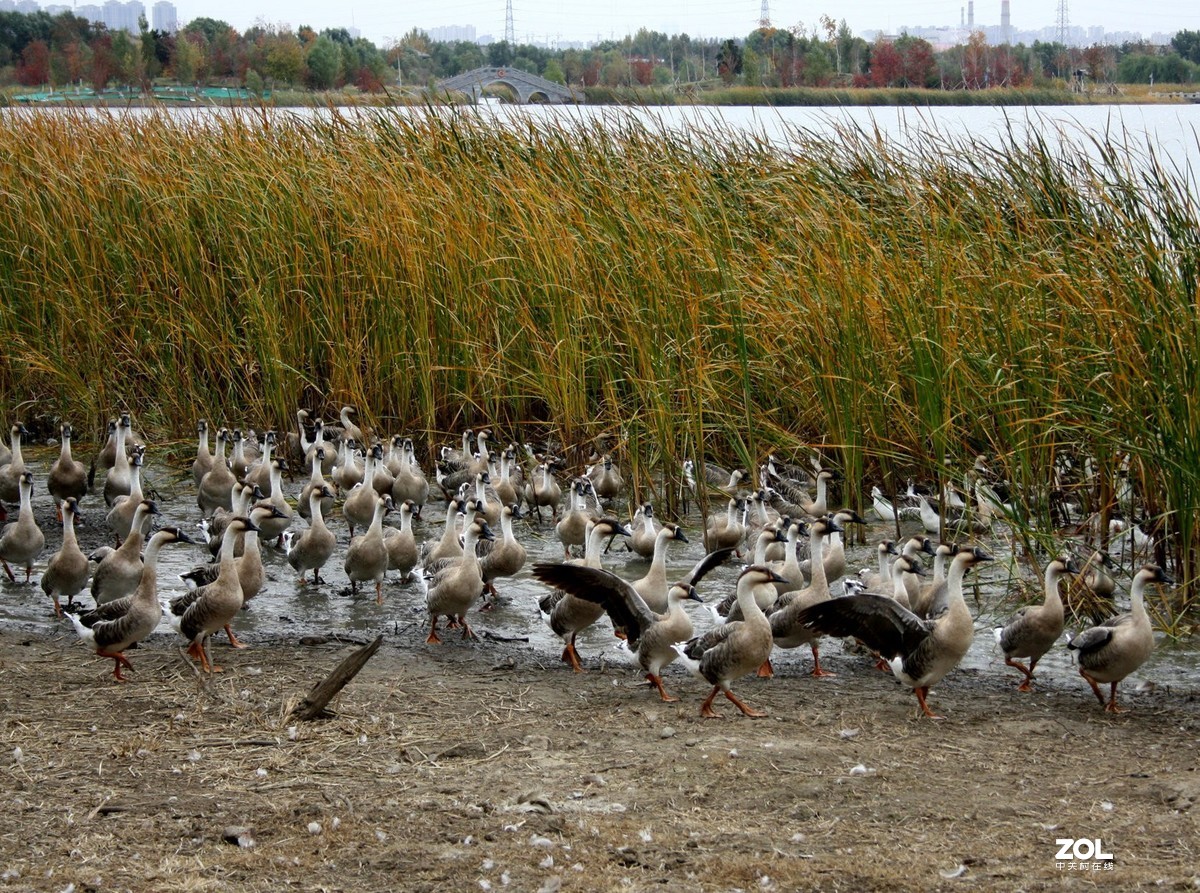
729 61
553 72
324 60
1187 45
284 62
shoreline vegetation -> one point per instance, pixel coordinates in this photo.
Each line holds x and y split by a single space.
705 292
176 96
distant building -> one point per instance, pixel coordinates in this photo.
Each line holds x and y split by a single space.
453 33
163 17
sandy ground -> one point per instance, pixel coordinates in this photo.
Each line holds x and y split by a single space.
489 766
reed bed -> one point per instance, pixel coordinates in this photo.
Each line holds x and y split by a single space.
706 291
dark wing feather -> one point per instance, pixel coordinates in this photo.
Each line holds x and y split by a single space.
1091 639
877 621
706 564
181 603
620 601
695 647
108 611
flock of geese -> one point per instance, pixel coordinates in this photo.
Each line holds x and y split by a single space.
914 622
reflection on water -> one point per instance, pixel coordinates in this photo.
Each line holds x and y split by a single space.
287 611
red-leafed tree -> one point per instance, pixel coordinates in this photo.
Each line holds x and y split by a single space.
34 67
887 65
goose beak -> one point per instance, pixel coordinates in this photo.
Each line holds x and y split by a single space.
182 537
679 535
693 595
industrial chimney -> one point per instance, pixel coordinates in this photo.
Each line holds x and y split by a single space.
970 15
1005 23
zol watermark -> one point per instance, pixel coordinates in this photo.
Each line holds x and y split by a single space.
1082 854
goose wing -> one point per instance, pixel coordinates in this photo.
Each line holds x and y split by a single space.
1091 639
619 599
107 611
877 621
706 564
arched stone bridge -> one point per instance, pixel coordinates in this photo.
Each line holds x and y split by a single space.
527 86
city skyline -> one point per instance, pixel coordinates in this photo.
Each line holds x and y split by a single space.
557 22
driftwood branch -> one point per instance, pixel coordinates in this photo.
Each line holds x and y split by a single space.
324 691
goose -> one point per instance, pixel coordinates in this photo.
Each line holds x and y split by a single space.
117 625
789 568
259 475
120 516
898 572
216 487
67 571
409 482
503 557
1095 575
732 650
239 464
486 499
728 529
650 635
359 507
929 593
199 614
367 555
350 431
606 479
653 586
480 460
298 441
119 570
543 490
327 455
316 483
761 515
1035 628
22 540
347 472
799 498
453 591
506 489
250 571
566 614
448 545
401 544
723 479
272 528
314 546
10 474
913 548
572 529
884 509
644 535
920 652
202 464
67 477
726 609
872 581
786 630
120 433
117 480
1114 649
242 497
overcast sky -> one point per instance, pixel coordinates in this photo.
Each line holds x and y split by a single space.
382 21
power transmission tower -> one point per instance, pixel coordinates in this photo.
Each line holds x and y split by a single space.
1063 22
510 33
764 15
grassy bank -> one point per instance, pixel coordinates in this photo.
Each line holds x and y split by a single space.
702 292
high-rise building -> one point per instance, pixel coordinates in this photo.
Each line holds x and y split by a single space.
1005 23
163 17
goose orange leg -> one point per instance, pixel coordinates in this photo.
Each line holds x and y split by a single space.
571 656
1095 687
816 670
467 632
433 638
1111 706
657 682
378 592
706 709
119 660
753 714
921 694
233 640
1028 671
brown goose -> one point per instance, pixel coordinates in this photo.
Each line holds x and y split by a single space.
250 570
606 479
118 478
874 580
67 477
274 526
120 516
197 615
654 585
787 630
1035 628
928 593
1114 649
10 473
316 483
119 570
367 554
67 572
572 529
239 463
732 650
348 472
216 487
202 464
542 489
409 481
726 609
454 590
502 557
117 625
350 431
835 550
728 529
314 546
644 534
650 635
358 508
568 615
401 544
260 473
920 652
22 540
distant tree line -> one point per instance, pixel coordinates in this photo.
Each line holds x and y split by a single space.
38 49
